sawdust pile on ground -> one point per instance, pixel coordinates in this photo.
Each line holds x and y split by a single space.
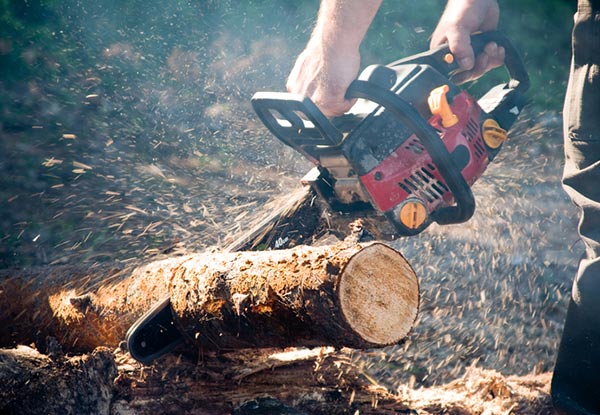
484 392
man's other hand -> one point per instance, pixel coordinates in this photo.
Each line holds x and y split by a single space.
460 19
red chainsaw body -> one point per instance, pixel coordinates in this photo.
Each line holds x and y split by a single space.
409 172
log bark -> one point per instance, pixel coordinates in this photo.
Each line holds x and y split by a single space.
83 307
357 296
344 295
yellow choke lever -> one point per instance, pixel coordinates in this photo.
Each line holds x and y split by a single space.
438 105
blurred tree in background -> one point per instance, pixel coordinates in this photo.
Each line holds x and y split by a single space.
118 118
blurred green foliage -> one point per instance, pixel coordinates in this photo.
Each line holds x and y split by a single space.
46 38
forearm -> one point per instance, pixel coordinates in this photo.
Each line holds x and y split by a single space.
344 23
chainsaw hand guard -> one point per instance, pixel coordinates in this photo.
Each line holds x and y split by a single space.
296 121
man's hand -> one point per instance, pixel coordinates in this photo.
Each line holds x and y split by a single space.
324 76
460 19
331 59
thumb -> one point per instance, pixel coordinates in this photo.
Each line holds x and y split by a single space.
459 42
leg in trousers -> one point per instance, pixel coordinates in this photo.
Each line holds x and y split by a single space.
576 380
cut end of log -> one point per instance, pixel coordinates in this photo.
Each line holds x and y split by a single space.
379 295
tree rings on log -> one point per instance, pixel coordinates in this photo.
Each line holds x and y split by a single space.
379 295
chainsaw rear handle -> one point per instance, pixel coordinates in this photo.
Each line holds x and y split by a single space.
437 58
465 202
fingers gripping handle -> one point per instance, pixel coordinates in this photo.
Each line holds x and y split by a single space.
519 79
442 60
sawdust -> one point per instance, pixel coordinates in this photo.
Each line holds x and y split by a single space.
483 392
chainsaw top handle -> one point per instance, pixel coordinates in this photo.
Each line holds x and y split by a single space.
443 61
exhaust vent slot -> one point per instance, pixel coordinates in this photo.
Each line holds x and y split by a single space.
423 184
415 146
474 137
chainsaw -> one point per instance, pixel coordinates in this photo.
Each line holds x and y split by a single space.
411 147
407 152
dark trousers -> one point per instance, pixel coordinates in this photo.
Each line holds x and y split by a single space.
576 380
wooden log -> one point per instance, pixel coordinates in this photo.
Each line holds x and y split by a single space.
83 307
248 382
256 381
33 383
357 295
